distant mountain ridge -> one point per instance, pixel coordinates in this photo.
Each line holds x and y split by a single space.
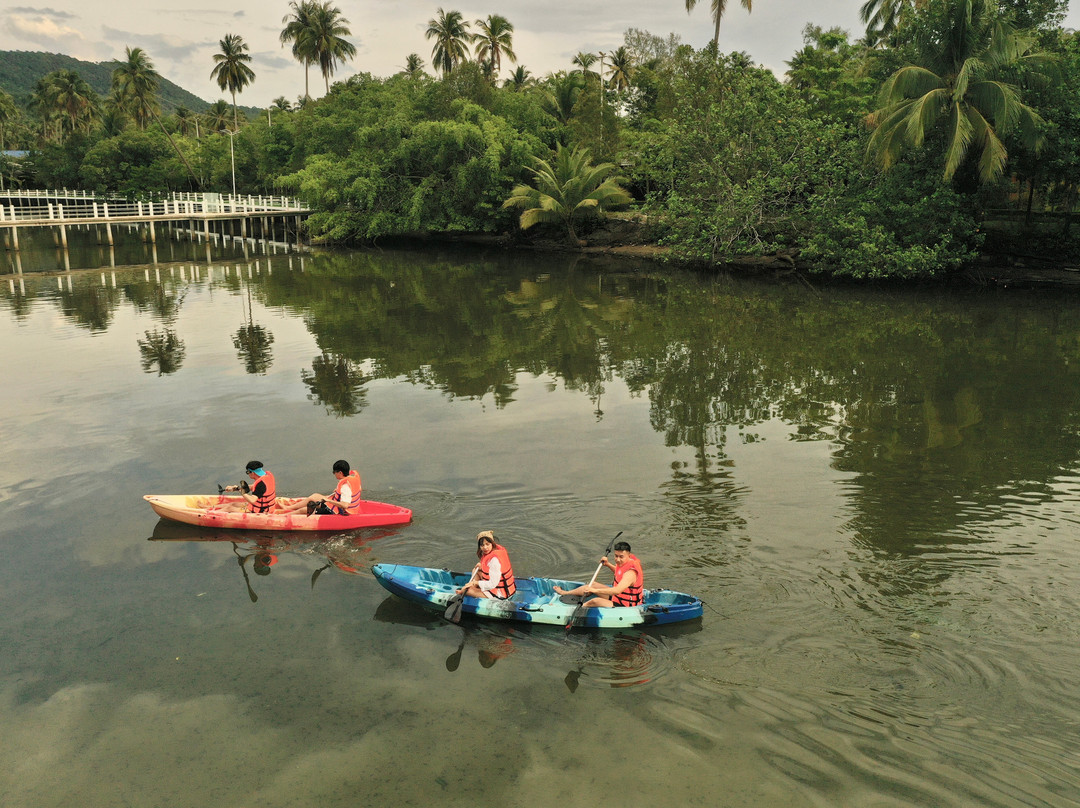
20 71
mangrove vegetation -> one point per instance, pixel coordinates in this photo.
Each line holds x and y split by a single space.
946 132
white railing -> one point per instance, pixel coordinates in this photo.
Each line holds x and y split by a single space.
67 206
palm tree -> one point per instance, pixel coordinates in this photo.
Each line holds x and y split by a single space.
71 95
563 91
718 9
519 79
217 115
298 31
185 119
231 69
414 66
621 70
282 103
451 35
9 114
117 112
494 41
882 17
585 61
566 190
958 82
328 32
41 103
137 80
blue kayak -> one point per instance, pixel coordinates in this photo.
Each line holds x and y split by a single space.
535 600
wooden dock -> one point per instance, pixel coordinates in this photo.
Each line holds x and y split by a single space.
63 209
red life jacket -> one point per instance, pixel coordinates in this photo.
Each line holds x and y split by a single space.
632 595
264 503
353 480
506 586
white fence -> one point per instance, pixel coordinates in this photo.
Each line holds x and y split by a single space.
67 207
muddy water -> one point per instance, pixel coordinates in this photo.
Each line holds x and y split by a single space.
875 492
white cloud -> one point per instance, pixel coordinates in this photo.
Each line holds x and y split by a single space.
41 29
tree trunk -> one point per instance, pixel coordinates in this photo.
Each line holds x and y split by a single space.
179 153
1031 196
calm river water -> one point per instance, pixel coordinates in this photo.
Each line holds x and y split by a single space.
875 493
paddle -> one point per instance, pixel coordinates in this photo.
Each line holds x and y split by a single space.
315 575
571 679
453 606
240 560
454 659
579 612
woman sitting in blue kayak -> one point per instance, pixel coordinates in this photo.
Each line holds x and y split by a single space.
493 576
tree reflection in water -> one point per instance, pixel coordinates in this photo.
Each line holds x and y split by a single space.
252 343
337 383
163 350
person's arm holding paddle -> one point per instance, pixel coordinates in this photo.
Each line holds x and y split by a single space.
260 495
626 590
606 594
591 587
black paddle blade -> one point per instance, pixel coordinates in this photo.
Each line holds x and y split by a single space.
315 575
251 592
571 680
453 609
454 659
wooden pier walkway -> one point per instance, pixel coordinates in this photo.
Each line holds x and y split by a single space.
63 209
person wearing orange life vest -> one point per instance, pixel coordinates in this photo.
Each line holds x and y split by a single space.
628 587
345 499
493 575
261 493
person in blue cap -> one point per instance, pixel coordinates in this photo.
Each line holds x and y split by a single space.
261 492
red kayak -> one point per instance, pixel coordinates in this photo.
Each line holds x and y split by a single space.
215 510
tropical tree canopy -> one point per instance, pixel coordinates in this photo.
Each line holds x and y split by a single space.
231 69
414 66
566 189
137 81
71 95
494 41
328 32
959 83
883 17
621 69
718 9
452 38
298 30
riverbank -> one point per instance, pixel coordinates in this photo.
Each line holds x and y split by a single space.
631 235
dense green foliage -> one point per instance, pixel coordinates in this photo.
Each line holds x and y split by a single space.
899 161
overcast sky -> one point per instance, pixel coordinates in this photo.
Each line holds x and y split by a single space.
181 36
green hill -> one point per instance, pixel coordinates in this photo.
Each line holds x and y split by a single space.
20 71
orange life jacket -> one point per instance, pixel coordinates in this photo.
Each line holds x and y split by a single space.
264 503
353 480
506 586
632 595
